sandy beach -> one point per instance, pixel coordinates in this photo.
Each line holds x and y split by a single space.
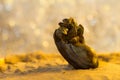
39 66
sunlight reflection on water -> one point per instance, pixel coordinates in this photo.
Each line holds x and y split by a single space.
27 26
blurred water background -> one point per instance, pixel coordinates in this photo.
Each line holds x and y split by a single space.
28 25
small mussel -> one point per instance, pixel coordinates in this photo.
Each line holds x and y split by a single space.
70 43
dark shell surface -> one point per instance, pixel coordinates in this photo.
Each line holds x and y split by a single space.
77 53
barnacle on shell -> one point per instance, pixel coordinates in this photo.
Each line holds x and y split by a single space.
70 43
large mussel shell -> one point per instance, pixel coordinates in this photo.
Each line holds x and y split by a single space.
80 57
